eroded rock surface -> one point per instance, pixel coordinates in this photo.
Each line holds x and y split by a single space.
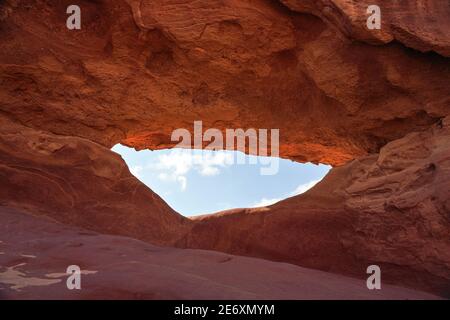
390 209
337 92
139 69
35 253
419 24
78 182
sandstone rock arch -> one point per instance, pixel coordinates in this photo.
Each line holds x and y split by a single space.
373 105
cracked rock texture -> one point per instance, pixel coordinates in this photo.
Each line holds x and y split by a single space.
371 103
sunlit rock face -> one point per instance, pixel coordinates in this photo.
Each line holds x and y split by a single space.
137 70
371 103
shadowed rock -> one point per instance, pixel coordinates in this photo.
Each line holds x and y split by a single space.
123 268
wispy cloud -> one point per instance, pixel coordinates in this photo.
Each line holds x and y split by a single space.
178 163
183 182
264 202
136 171
304 187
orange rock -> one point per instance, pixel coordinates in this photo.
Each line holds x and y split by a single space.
77 182
134 73
138 70
419 24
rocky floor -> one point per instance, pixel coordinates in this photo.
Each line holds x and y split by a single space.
35 253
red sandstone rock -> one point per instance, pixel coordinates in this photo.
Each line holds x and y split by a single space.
419 24
138 70
78 182
35 253
390 209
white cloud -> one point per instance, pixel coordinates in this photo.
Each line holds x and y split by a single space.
136 171
304 187
264 202
209 164
183 181
164 177
209 171
175 165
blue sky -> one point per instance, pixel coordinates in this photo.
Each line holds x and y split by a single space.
196 182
